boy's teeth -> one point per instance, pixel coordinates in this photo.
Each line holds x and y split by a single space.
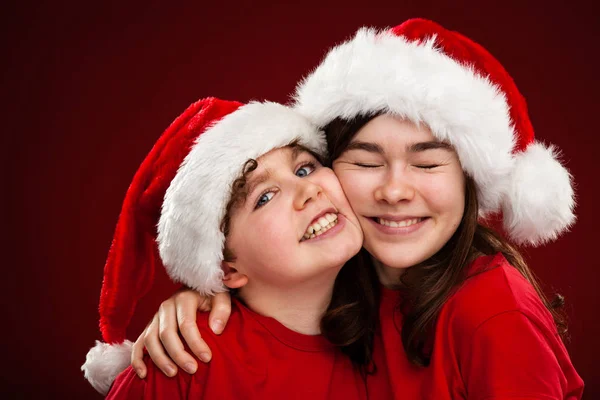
322 225
400 224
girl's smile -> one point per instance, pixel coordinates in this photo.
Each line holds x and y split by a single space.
406 187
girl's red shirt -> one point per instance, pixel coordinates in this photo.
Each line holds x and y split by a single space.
494 339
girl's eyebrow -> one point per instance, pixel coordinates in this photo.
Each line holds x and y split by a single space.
423 146
366 146
412 148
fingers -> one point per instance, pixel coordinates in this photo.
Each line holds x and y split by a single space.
155 348
137 354
187 305
221 310
170 339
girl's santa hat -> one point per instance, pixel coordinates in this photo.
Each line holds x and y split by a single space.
427 74
173 209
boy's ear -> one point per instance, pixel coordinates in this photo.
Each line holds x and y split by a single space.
232 278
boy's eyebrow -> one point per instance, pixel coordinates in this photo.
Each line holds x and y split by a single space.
264 176
255 181
297 150
422 146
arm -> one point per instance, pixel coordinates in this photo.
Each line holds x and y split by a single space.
178 315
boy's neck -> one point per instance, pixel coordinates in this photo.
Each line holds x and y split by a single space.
298 307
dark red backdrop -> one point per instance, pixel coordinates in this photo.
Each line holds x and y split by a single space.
88 90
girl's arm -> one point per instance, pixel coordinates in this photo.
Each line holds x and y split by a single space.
178 315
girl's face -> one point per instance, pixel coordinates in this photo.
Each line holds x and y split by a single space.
295 222
407 189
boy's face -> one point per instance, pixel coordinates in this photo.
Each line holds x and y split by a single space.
295 222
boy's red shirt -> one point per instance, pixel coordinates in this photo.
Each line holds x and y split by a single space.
256 357
494 339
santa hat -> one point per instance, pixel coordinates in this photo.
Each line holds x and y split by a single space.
427 74
174 207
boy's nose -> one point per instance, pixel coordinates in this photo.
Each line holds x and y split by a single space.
306 192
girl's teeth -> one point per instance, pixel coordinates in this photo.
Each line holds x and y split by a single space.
401 224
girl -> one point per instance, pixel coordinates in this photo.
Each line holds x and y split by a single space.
255 216
427 132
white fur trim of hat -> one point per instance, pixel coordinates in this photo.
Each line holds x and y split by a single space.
383 72
189 236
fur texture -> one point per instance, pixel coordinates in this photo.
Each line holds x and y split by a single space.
539 205
133 257
464 95
381 72
104 362
189 235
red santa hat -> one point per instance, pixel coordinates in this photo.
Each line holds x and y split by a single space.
427 74
173 209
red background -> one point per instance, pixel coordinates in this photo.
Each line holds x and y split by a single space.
88 90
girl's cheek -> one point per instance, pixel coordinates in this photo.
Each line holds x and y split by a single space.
353 187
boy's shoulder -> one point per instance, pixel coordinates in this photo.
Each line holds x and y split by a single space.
258 355
251 336
241 327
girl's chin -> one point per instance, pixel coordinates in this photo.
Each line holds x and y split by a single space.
392 261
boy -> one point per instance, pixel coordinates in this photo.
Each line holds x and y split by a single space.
277 229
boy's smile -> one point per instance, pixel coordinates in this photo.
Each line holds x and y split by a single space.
295 224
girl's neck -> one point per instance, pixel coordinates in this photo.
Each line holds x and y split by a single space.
298 307
389 277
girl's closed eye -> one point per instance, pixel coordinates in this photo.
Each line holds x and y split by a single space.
366 165
427 166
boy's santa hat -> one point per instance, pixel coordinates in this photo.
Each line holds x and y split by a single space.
174 207
427 74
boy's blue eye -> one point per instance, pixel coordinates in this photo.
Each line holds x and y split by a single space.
264 199
305 170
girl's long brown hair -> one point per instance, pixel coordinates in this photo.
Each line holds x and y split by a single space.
427 286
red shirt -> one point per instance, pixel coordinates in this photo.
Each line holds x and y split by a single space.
494 339
256 357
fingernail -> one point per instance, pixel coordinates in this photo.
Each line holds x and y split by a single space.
205 357
217 326
170 370
140 373
190 367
